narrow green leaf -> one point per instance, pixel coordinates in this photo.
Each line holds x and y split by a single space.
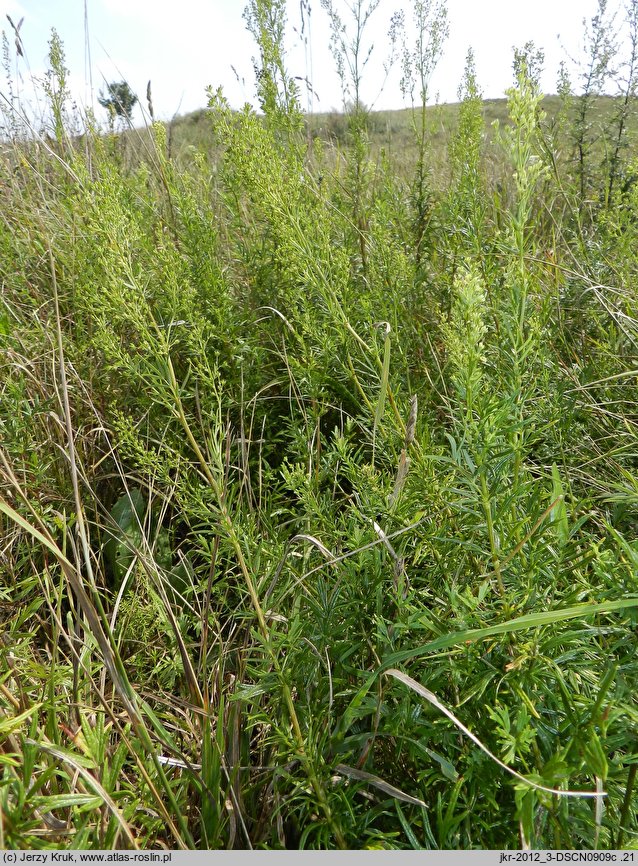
381 784
529 620
595 757
447 768
559 510
9 724
64 801
383 390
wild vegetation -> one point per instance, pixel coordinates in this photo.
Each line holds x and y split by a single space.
318 466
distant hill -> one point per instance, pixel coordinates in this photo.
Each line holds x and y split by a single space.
390 130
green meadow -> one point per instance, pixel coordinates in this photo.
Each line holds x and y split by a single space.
318 464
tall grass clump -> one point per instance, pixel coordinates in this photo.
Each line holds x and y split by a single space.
317 478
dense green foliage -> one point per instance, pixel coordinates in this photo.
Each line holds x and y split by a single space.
313 463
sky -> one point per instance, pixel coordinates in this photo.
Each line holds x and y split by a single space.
185 47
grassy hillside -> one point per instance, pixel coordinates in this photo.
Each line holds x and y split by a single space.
392 132
318 492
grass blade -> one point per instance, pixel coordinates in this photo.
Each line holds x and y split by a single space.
432 698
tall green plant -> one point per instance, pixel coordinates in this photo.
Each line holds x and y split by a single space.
277 90
429 21
626 97
465 205
593 72
352 50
